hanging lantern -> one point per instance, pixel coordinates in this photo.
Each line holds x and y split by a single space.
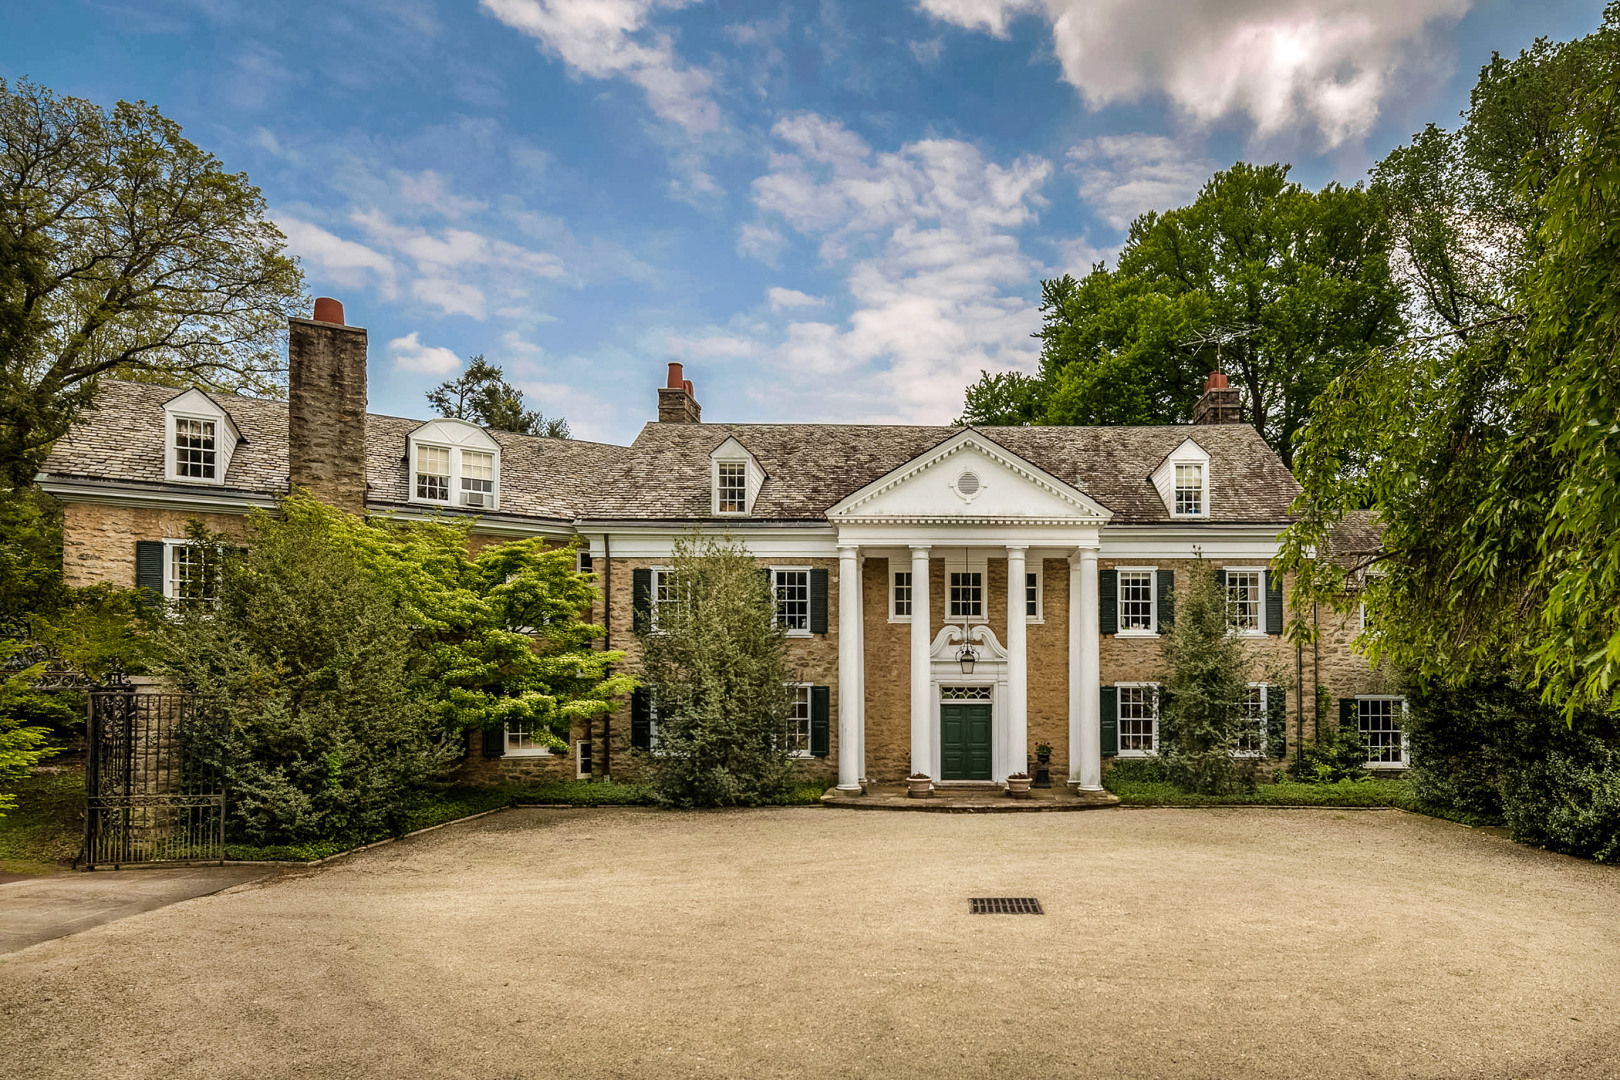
966 657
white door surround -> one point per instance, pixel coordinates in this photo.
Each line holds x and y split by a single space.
991 670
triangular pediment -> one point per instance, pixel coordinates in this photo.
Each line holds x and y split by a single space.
970 478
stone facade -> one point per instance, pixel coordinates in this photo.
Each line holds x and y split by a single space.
98 542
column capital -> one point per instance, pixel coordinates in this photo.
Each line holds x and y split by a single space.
920 547
1016 547
848 550
1084 553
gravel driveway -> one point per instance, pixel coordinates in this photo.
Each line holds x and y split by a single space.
814 942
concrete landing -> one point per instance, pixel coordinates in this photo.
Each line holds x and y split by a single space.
976 800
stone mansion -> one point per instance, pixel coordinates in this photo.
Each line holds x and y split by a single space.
953 597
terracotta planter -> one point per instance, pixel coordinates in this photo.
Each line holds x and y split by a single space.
919 787
1018 786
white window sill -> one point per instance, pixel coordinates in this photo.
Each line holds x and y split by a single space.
536 752
1388 765
1250 633
799 634
200 481
1034 620
1137 753
900 618
1136 633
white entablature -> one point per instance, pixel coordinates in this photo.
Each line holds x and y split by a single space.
968 482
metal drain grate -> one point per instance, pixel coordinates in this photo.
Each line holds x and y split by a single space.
1005 905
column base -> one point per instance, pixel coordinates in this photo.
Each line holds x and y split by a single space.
1078 786
852 789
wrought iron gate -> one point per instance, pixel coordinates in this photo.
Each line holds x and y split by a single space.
154 781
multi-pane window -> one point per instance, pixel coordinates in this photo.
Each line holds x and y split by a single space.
798 724
731 487
964 693
1189 488
664 594
1032 596
520 739
1244 598
1136 600
190 575
967 595
792 598
1251 740
194 449
1138 720
433 473
477 479
1380 722
902 593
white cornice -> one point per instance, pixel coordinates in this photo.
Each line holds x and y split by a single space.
156 497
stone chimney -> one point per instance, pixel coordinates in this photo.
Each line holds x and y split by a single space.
326 407
1220 403
676 405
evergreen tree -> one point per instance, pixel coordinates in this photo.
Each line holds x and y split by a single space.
483 396
1207 671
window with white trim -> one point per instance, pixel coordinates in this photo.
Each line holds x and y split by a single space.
433 473
477 480
1032 595
1136 601
187 575
731 487
792 588
967 595
520 741
1138 712
900 593
1245 600
582 759
195 454
798 723
1251 739
664 594
1189 488
1381 720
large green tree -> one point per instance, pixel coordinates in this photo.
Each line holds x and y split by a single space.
126 250
482 394
1278 285
1489 447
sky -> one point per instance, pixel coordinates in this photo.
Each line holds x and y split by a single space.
828 211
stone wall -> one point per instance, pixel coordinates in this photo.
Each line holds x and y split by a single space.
98 542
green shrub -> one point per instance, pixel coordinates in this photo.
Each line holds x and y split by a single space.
1338 754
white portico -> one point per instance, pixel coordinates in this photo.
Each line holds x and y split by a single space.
963 502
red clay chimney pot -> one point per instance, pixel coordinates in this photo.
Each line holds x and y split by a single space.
328 310
687 385
675 381
1216 381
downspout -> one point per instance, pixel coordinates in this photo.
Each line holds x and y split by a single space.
1299 707
607 643
1316 668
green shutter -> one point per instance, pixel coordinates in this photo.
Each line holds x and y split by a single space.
1277 722
149 569
641 599
1167 599
1108 601
1347 714
495 741
1108 709
820 729
1274 603
818 601
640 719
1220 581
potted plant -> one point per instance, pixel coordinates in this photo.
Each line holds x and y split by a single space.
919 785
1018 785
1043 753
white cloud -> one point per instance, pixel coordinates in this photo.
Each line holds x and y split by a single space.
427 188
607 38
343 262
782 299
1123 176
411 355
1283 62
926 236
714 347
762 242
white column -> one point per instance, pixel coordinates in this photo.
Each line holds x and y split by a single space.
851 669
1017 664
922 697
1085 673
860 647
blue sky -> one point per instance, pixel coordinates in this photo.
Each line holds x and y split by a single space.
827 211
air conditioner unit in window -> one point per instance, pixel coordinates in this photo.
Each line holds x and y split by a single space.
475 499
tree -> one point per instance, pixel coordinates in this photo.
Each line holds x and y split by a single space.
128 251
1488 447
23 744
716 668
483 396
1279 286
1207 670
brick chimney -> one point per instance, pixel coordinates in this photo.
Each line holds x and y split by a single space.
1220 403
676 405
326 407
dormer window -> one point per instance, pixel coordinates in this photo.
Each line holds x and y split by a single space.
731 487
1189 488
1182 480
454 463
199 439
735 478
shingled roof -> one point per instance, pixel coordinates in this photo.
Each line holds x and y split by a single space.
665 474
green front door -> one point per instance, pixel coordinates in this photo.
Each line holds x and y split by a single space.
964 740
